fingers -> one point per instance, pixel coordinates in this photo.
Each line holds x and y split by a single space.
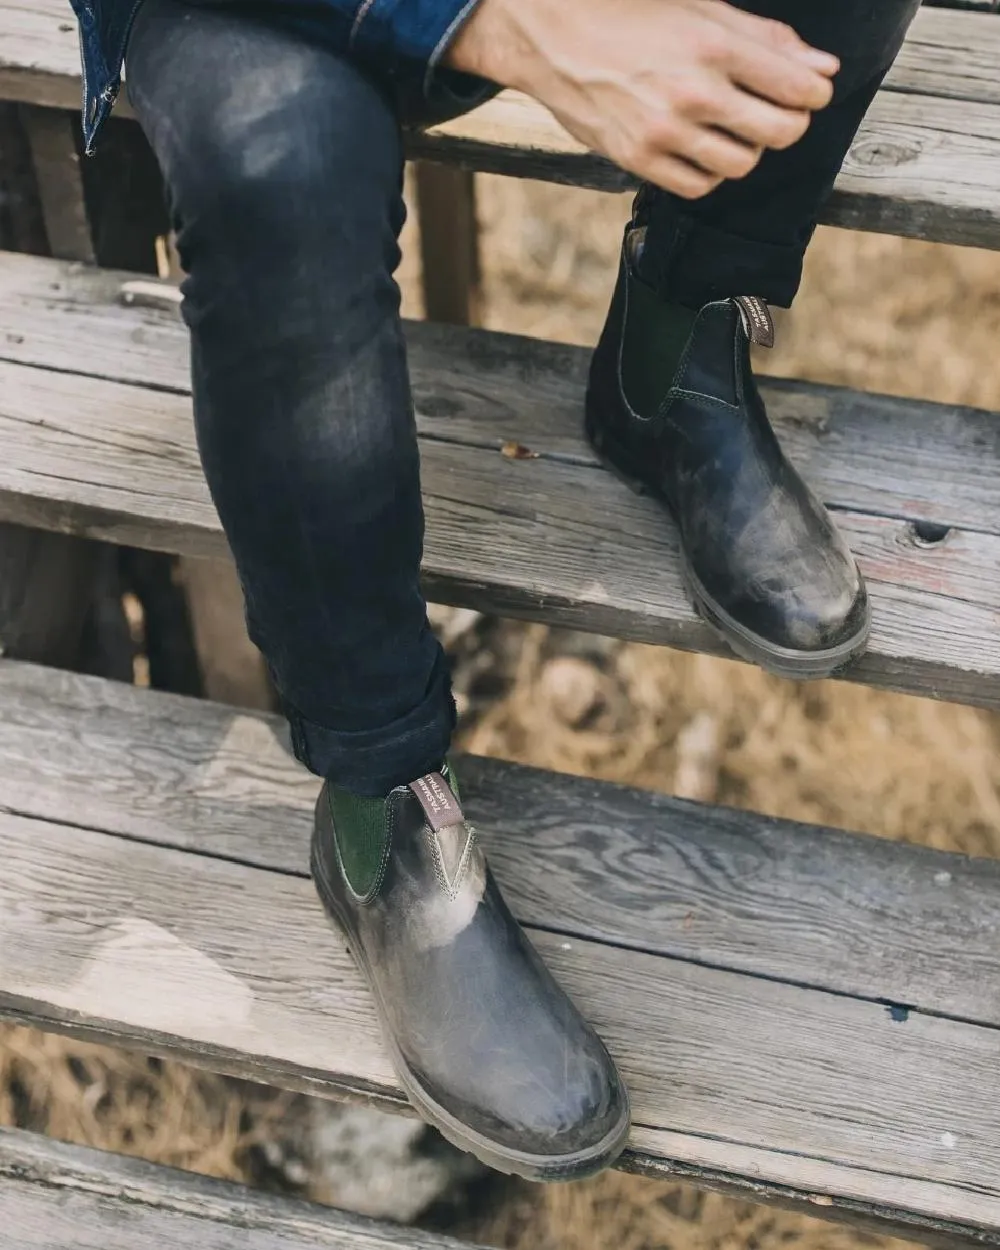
756 121
783 39
770 59
675 174
774 75
719 153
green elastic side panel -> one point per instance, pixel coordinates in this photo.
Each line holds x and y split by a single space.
653 340
362 829
448 773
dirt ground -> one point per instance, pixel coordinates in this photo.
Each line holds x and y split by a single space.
879 313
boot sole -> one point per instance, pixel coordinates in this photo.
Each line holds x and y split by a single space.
532 1167
754 648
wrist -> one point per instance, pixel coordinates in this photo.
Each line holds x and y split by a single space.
493 43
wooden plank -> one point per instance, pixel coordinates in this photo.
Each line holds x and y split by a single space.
57 1196
118 461
232 669
925 165
219 779
921 167
946 53
51 136
977 6
794 1184
235 968
449 244
950 54
51 607
866 453
39 54
840 912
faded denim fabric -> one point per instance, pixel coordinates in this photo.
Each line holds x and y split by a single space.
283 159
400 39
284 165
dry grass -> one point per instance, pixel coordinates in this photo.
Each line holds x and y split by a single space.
878 313
617 1212
115 1100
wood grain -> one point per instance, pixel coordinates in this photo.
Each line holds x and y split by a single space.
926 162
842 912
866 453
451 273
116 459
235 968
777 1091
57 1196
950 54
921 166
60 183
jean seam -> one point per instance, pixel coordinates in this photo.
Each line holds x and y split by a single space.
363 10
442 44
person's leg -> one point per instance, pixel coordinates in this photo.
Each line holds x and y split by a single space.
283 164
672 403
284 169
749 236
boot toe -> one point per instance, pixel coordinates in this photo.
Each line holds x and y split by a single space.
544 1124
813 620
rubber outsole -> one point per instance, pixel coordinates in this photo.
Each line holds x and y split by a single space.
501 1158
754 648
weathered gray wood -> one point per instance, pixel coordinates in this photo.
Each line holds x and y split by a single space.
117 460
59 1197
235 968
60 183
232 669
866 453
921 167
978 6
844 913
49 583
793 1184
123 935
119 463
924 165
949 54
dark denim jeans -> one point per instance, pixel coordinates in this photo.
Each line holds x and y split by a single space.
750 236
284 167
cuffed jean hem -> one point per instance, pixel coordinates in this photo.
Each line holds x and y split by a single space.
373 761
692 263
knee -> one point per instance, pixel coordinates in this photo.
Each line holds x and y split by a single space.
267 142
286 159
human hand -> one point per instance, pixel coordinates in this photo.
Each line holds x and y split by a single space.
683 93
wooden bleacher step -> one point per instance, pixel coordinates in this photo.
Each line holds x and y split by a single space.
802 1015
97 436
926 162
54 1196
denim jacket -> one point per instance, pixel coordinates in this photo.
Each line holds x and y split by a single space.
403 39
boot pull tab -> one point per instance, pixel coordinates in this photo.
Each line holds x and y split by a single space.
438 800
756 317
